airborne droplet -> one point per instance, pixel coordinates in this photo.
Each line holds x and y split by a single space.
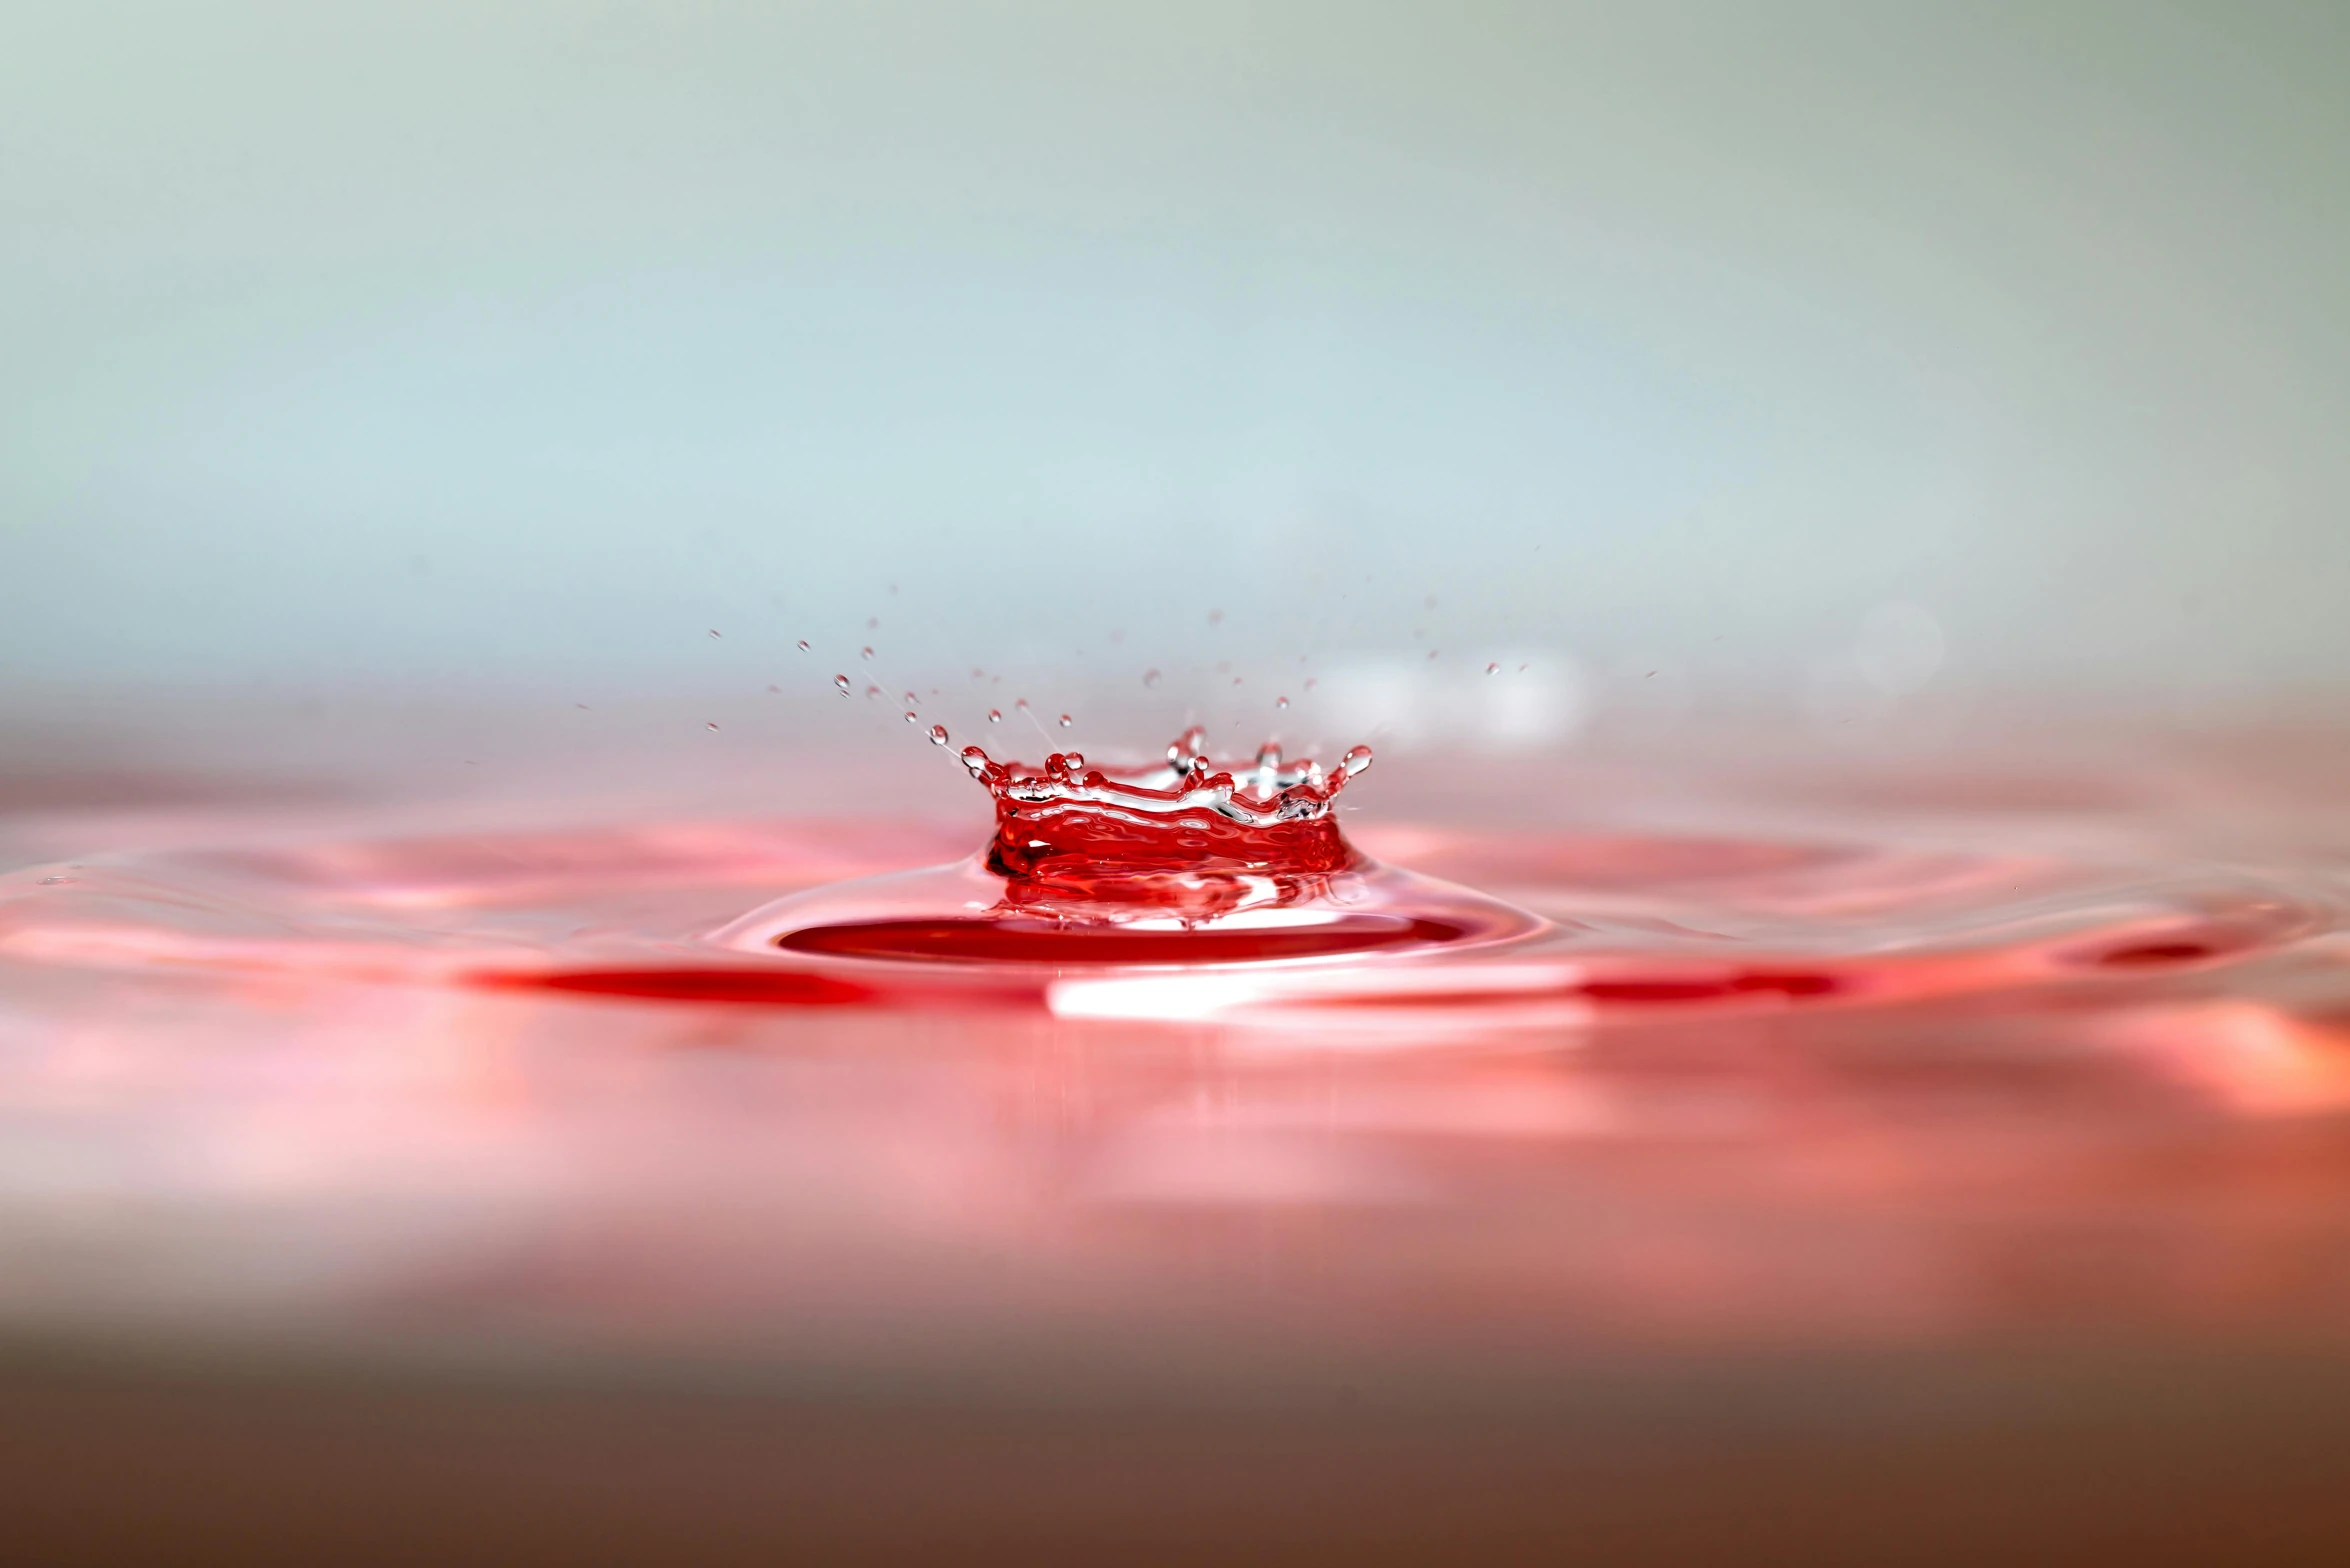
1356 759
1066 721
1150 677
803 645
1281 702
1493 669
864 653
938 734
842 681
912 717
995 715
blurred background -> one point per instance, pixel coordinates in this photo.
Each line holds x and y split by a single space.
1835 362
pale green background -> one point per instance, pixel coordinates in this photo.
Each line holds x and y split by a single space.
452 345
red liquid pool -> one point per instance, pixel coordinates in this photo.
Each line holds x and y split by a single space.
1171 1093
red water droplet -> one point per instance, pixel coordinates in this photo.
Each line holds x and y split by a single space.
1189 835
938 734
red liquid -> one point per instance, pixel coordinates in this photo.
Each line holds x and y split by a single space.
1183 864
742 987
1114 1106
1021 941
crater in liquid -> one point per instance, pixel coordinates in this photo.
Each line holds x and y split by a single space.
1181 862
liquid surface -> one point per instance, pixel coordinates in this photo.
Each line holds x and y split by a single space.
1180 863
1913 1078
